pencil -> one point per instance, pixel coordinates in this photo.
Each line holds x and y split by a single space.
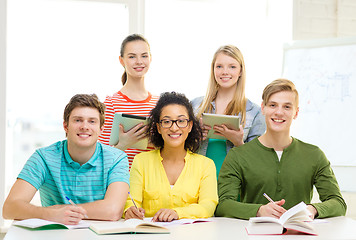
71 202
269 199
133 201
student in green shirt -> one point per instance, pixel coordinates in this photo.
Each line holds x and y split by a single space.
277 164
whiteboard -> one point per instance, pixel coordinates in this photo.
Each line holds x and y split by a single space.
324 72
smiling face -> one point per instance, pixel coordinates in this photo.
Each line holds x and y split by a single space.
174 137
279 111
136 59
83 128
227 71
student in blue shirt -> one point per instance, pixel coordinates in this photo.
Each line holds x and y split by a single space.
92 175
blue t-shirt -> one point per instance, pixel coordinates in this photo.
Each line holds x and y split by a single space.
52 171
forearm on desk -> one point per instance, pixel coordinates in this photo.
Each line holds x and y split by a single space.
204 209
332 203
20 209
331 208
234 209
112 206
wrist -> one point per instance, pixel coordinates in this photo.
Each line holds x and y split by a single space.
45 213
258 213
238 143
120 146
313 210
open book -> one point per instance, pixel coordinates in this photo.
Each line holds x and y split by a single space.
295 219
40 224
129 226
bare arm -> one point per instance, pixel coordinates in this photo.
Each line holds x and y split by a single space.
18 206
112 206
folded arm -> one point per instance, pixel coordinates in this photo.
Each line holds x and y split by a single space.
332 204
18 206
229 188
112 206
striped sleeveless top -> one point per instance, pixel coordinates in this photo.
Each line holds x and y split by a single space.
120 103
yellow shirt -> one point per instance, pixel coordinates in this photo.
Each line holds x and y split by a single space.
194 195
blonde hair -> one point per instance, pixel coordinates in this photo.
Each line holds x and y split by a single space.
238 103
279 85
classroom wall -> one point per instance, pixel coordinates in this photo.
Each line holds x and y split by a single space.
324 19
315 19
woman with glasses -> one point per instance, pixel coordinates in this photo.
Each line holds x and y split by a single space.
133 97
226 95
172 182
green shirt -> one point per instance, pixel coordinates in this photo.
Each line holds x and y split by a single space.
253 169
217 152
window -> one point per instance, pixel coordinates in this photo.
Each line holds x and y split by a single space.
184 35
56 49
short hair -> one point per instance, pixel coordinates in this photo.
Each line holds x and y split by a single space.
195 136
85 100
130 38
279 85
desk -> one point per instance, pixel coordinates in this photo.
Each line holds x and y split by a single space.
219 228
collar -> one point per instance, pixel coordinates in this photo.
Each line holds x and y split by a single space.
186 158
272 149
130 100
91 163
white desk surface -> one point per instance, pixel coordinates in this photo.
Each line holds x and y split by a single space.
219 228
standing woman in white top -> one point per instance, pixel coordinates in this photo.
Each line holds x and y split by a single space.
226 95
133 97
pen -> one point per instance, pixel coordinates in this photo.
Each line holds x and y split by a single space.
269 199
71 202
133 201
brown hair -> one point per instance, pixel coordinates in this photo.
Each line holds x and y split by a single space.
85 100
130 38
279 85
238 103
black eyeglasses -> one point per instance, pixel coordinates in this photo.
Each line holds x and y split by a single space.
181 123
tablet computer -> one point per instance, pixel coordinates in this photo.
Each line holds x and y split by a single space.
211 119
128 121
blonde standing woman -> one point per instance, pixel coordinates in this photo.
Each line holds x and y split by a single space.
226 95
133 97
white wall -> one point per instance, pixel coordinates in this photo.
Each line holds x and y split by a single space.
2 101
313 19
324 19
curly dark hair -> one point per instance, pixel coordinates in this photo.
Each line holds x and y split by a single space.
195 136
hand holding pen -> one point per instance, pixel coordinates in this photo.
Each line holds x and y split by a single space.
73 204
272 209
134 211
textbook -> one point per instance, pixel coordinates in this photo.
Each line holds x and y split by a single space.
295 220
128 226
230 121
40 224
182 221
128 121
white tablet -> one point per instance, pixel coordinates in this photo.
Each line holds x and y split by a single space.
211 119
128 121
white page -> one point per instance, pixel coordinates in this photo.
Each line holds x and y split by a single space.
36 222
